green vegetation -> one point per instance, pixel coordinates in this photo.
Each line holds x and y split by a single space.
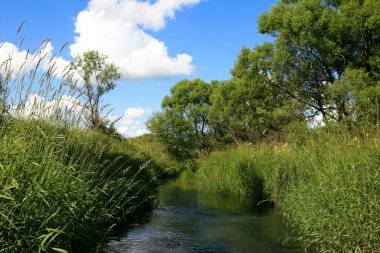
183 125
67 178
259 127
64 188
326 182
324 61
97 78
229 171
164 166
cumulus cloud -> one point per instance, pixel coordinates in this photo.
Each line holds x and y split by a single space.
132 122
65 109
116 28
70 111
18 63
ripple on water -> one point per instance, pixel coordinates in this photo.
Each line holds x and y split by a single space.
195 222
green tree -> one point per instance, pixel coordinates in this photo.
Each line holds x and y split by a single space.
317 42
361 93
248 110
175 133
97 78
184 123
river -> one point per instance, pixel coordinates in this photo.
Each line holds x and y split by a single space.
188 220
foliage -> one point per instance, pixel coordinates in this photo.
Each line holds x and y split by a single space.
324 61
229 171
361 93
65 189
163 165
325 180
175 134
183 126
248 110
62 188
97 78
317 43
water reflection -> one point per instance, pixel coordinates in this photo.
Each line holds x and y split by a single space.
193 221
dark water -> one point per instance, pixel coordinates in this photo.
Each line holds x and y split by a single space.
193 221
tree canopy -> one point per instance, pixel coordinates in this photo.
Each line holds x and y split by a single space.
97 78
183 125
324 61
319 45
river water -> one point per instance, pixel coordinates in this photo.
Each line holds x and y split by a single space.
188 220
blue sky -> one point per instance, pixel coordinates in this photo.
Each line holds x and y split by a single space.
208 34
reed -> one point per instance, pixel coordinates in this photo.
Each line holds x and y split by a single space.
62 186
326 182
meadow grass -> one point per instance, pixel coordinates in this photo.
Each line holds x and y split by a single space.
326 181
62 187
61 190
229 171
165 166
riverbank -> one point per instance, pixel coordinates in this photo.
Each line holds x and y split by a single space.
63 189
325 180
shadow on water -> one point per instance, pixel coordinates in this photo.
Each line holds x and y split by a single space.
192 221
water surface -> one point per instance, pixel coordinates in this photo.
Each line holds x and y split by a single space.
193 221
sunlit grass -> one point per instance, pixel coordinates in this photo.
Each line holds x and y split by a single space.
62 187
326 181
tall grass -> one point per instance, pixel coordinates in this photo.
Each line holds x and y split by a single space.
326 181
62 187
165 166
229 171
335 202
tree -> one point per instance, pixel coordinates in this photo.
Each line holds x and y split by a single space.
184 124
98 78
317 42
248 110
175 133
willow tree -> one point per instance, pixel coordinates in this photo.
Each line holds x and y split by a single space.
248 110
183 125
325 55
97 78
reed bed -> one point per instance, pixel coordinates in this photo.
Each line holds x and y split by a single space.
326 182
62 186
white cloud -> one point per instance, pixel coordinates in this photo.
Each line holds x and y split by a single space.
115 28
134 113
14 61
65 109
70 111
57 64
18 62
132 123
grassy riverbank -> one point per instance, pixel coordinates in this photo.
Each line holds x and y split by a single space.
166 167
63 189
325 180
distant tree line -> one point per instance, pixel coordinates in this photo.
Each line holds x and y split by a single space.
325 60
